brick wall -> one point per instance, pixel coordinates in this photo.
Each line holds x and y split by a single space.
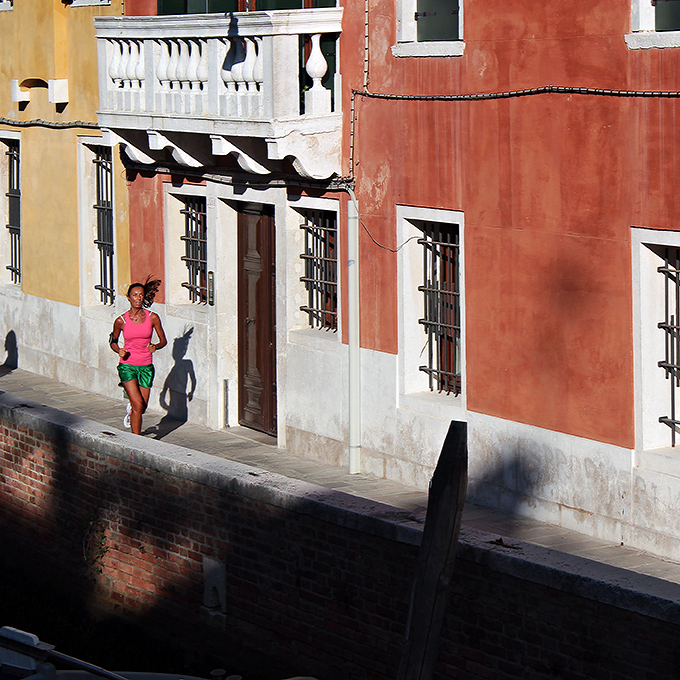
226 559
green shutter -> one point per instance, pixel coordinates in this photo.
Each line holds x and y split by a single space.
667 15
437 20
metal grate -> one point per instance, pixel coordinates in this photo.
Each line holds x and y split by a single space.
103 162
195 244
321 269
14 199
671 328
441 294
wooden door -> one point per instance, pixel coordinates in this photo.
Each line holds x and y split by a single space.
257 320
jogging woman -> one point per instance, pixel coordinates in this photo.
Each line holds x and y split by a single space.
135 368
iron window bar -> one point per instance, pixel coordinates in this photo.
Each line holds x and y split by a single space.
14 204
195 249
671 327
320 258
441 302
103 162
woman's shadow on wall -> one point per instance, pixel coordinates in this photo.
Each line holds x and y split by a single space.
12 360
174 397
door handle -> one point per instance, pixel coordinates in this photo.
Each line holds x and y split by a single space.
250 319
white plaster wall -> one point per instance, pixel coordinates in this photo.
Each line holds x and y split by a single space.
555 477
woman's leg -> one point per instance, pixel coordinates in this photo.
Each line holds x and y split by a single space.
139 397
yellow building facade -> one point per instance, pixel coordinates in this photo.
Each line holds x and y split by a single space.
64 249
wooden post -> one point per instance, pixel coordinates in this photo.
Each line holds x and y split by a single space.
431 585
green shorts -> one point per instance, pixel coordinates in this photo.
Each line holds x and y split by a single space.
142 374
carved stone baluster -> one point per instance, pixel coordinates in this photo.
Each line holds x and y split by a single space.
173 60
173 67
202 70
227 100
258 77
237 75
192 65
192 103
131 66
183 104
183 64
249 76
139 77
162 66
140 71
114 64
122 66
317 98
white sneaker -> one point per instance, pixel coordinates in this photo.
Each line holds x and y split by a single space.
126 420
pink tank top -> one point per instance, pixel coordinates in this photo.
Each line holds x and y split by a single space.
137 337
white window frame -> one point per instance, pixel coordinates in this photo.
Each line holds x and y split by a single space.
651 386
414 387
299 330
175 268
319 326
407 32
5 245
643 34
87 218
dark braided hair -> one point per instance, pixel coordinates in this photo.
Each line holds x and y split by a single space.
150 287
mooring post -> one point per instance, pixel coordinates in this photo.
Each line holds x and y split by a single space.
432 581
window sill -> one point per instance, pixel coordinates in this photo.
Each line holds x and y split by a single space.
102 312
664 461
434 404
12 290
89 3
190 312
315 338
647 40
429 49
5 6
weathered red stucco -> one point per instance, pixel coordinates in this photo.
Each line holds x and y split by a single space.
550 186
136 8
147 247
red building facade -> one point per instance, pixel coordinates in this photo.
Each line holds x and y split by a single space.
515 176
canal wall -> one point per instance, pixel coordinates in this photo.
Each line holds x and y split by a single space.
222 558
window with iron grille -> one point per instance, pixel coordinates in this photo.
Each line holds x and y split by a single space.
671 327
14 209
103 163
321 268
195 248
441 302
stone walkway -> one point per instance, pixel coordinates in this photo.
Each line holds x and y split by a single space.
252 448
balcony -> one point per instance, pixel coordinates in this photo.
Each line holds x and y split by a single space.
205 86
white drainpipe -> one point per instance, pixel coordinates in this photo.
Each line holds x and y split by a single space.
354 360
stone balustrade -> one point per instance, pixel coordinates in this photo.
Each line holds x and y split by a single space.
236 67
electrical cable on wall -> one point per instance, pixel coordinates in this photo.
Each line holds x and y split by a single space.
38 122
485 96
482 96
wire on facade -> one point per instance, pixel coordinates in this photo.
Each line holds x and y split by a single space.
545 89
38 122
